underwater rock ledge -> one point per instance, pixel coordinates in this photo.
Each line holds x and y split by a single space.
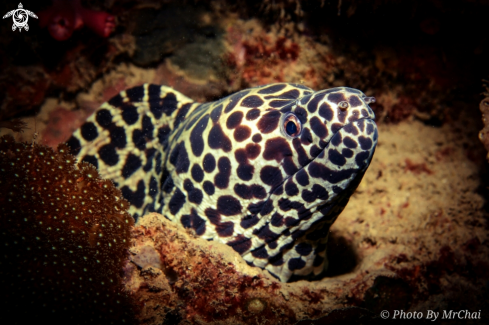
176 276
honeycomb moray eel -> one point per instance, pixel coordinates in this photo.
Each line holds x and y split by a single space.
265 170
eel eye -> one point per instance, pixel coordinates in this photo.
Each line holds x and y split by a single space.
292 126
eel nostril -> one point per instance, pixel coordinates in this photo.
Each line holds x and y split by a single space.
343 105
369 100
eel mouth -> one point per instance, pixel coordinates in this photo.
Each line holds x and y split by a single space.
338 169
349 151
347 154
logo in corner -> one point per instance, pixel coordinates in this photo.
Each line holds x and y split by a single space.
20 17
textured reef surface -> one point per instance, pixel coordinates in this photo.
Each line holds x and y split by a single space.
414 236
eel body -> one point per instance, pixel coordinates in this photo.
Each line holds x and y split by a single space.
266 170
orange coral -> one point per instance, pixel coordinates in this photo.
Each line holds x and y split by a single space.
65 234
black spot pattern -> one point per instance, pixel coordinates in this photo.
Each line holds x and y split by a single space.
302 178
103 118
301 114
291 189
209 163
194 194
216 113
108 154
277 149
306 137
336 98
255 208
241 244
228 205
129 114
277 220
313 103
370 129
197 173
234 120
249 221
250 191
268 207
314 151
252 101
354 101
116 101
365 143
118 137
326 111
349 142
177 201
337 139
182 112
271 175
260 253
245 172
221 180
158 165
318 127
194 221
163 133
242 133
282 197
196 140
91 159
147 127
167 105
135 94
265 233
276 260
234 99
296 264
336 127
256 138
132 164
303 249
218 140
301 152
179 158
317 192
289 166
75 145
209 188
361 159
89 131
350 128
135 198
269 122
317 170
290 94
347 153
253 114
336 158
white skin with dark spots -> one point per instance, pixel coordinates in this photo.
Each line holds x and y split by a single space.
266 170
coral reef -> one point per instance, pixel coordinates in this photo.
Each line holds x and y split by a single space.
66 16
65 234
